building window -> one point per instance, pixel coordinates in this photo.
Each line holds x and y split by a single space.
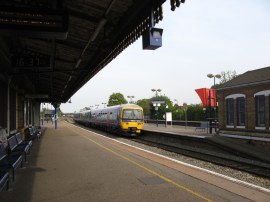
240 103
230 111
260 110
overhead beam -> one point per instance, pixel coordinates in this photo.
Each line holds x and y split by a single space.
34 22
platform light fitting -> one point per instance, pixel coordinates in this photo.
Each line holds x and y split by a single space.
152 38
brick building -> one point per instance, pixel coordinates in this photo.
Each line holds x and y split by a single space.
244 102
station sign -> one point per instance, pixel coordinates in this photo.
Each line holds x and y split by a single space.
158 102
28 61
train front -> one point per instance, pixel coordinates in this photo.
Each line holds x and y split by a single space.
131 121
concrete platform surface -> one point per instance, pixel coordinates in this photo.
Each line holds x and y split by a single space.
72 164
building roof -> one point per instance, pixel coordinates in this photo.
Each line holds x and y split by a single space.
249 78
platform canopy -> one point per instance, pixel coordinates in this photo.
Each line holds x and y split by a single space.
50 49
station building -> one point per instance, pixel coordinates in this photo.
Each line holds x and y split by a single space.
244 102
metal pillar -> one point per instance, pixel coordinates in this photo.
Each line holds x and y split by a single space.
8 106
165 113
210 113
55 118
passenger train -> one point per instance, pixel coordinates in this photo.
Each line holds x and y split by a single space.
125 119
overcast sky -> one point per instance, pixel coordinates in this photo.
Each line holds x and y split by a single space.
200 37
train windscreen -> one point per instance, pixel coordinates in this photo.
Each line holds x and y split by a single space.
132 114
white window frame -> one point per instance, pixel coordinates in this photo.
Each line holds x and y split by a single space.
234 97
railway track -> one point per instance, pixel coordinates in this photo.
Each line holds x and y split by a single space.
216 156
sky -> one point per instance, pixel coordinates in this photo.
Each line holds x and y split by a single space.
199 38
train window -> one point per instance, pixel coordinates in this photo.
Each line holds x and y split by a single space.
132 114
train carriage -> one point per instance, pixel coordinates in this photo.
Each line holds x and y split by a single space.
124 119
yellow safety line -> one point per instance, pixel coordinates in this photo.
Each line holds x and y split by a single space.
149 170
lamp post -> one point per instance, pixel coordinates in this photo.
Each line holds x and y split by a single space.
178 107
156 90
185 107
218 76
104 103
156 105
130 97
97 106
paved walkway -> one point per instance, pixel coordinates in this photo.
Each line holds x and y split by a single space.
72 164
180 130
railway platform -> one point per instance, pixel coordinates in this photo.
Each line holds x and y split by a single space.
257 146
73 164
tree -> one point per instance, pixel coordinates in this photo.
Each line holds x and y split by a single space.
42 112
116 99
161 108
195 112
85 109
225 77
178 113
146 105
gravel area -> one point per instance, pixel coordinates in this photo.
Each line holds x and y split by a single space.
243 176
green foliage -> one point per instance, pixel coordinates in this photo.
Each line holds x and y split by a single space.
195 112
178 113
60 113
85 109
227 76
116 99
42 112
161 108
146 104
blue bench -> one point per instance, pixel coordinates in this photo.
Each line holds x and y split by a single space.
36 132
4 180
203 126
8 162
16 148
32 133
20 141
